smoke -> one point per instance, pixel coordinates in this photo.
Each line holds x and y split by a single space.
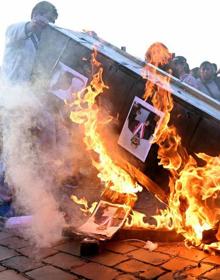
40 150
35 161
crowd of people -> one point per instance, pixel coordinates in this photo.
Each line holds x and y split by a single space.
204 78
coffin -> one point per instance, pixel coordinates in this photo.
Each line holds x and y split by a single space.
195 115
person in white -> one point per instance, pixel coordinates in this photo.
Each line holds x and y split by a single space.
21 110
21 43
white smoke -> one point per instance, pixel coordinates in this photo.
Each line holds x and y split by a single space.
35 163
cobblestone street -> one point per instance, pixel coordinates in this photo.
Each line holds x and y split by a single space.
118 260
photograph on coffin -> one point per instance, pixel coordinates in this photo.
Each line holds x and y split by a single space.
141 124
66 81
106 219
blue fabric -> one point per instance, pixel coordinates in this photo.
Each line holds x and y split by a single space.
6 210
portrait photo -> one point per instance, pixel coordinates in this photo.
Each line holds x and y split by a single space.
106 219
65 82
141 124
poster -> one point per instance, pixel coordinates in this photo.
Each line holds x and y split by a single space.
66 81
106 219
141 124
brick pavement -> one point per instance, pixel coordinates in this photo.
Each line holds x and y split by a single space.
118 260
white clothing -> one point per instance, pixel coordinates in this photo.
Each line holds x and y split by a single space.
19 54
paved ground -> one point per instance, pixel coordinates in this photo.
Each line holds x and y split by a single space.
119 260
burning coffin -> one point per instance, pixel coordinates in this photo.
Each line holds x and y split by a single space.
195 115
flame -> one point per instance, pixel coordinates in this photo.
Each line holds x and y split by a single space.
86 113
136 220
82 201
190 211
158 54
194 190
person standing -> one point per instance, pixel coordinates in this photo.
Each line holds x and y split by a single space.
210 83
21 43
181 70
24 118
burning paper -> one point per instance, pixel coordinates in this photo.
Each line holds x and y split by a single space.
141 124
105 220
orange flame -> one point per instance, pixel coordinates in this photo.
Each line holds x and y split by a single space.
137 221
158 54
194 190
84 203
86 113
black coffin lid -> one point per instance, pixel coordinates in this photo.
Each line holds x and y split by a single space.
196 116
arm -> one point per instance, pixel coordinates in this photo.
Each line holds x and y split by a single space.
23 30
15 33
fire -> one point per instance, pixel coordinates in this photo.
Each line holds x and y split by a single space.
84 203
158 54
192 207
86 113
137 221
194 189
